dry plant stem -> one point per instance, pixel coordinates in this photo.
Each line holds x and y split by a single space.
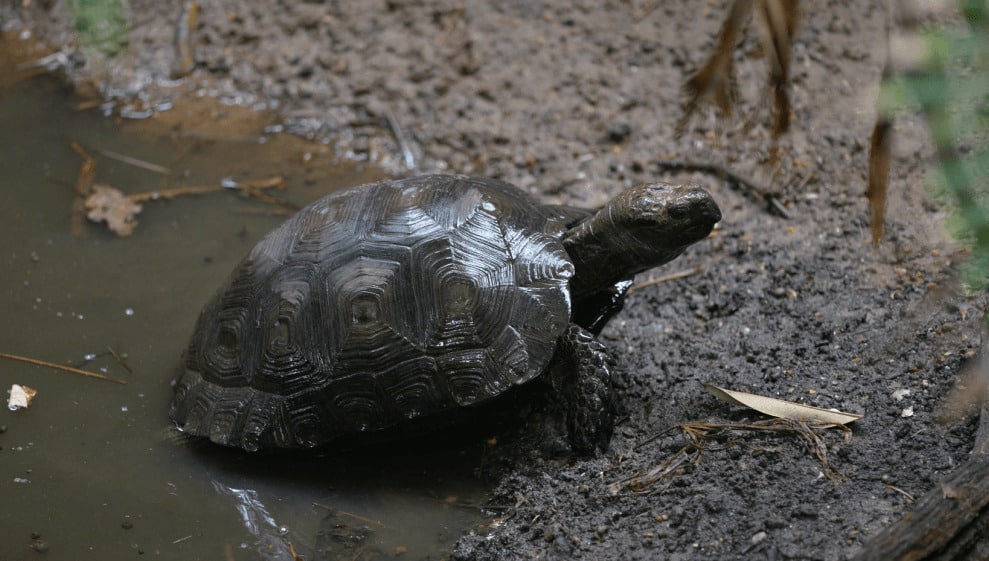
291 551
83 187
781 23
879 158
665 278
185 54
698 434
259 195
62 368
252 188
880 149
350 514
87 170
120 360
172 192
400 138
138 163
715 81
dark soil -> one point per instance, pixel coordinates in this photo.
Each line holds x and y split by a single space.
575 101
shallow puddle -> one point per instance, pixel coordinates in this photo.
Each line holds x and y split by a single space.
90 470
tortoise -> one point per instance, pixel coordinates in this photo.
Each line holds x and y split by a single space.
404 299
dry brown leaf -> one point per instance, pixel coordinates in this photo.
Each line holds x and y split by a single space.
20 397
106 204
783 409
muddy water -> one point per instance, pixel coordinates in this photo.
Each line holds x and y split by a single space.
90 467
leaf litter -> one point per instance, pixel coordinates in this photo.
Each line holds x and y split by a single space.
101 202
789 418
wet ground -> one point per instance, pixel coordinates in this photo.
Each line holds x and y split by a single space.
572 104
91 467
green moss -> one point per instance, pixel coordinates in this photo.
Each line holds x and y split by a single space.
102 25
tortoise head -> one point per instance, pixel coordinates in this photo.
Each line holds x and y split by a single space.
643 227
658 218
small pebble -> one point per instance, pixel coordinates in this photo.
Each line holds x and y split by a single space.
41 546
619 132
127 524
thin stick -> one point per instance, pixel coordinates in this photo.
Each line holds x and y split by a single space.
120 360
136 162
350 514
62 368
403 143
249 187
172 192
665 278
83 186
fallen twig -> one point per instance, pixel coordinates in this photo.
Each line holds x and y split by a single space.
350 514
403 144
698 434
251 188
665 278
119 358
136 162
62 368
83 187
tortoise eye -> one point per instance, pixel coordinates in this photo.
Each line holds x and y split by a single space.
679 212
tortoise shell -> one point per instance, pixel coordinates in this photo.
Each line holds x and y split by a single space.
375 305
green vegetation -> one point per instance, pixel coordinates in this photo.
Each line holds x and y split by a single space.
951 87
102 25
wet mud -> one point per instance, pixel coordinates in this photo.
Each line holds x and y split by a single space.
573 102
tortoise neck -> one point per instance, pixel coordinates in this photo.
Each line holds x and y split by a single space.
604 255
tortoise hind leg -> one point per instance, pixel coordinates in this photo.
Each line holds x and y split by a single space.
581 376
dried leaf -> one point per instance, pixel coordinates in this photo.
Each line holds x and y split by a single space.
20 397
106 204
782 409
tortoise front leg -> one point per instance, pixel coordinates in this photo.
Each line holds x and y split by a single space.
581 376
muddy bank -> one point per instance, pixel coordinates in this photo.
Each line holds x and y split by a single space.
574 102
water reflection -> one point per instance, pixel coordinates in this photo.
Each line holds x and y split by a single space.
90 469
